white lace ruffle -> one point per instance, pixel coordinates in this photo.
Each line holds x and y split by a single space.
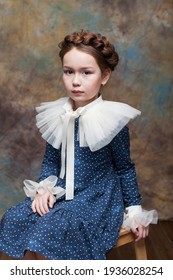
100 121
32 188
137 216
50 122
99 126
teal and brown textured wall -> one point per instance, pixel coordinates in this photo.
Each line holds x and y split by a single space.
30 72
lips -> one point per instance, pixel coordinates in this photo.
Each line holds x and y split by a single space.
77 91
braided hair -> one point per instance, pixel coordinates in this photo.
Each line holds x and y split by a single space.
94 44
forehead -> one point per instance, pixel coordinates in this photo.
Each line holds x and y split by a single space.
78 58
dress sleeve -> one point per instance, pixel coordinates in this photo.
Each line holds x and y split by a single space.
51 162
125 168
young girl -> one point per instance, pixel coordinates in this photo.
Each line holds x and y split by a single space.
87 179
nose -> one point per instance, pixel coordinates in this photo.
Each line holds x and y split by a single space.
76 80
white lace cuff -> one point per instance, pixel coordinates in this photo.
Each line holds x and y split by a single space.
31 188
135 216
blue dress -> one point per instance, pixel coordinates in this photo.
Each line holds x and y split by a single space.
86 227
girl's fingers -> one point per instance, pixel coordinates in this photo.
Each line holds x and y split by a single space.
142 232
51 201
42 203
38 207
33 206
43 207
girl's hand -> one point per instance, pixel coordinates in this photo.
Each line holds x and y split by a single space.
42 202
140 232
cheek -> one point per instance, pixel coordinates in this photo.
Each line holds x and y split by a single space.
96 83
65 81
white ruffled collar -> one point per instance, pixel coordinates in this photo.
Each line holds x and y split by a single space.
100 121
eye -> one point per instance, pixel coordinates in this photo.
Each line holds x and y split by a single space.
68 71
87 72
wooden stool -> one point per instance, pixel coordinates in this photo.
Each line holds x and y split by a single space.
126 237
5 257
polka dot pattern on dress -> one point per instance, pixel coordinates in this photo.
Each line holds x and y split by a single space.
86 227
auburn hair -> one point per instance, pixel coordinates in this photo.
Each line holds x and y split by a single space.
94 44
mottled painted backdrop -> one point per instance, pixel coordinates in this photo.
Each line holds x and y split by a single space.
30 72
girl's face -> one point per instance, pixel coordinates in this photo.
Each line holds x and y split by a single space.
82 77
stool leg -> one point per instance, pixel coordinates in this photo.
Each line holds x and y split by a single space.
140 250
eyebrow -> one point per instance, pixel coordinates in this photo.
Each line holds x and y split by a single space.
82 68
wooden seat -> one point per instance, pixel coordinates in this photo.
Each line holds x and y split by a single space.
126 237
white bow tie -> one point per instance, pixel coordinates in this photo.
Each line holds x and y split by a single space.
67 150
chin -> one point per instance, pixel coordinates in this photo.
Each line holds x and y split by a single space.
78 97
